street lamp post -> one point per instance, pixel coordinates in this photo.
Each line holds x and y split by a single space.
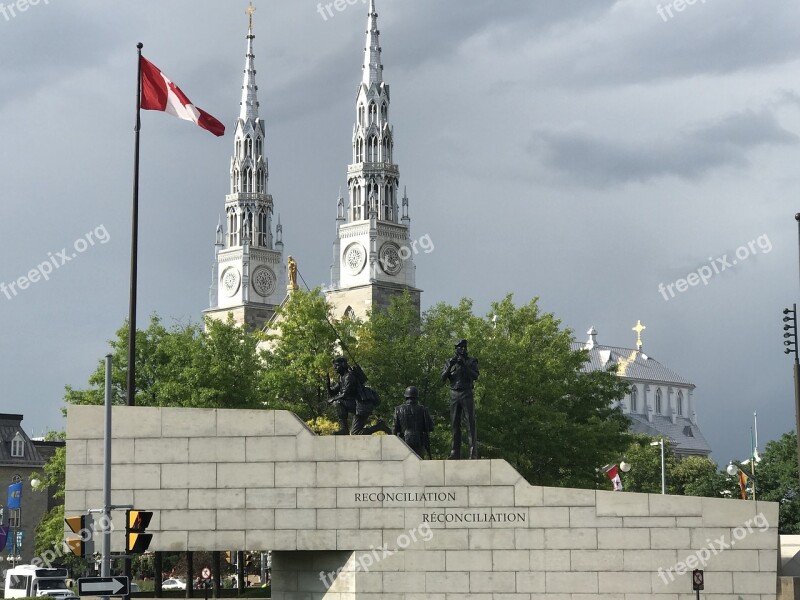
663 466
790 341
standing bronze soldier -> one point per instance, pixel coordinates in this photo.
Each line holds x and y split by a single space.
460 372
413 423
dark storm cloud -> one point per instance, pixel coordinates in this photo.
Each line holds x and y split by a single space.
632 44
591 159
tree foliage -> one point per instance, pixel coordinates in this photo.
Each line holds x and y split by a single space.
183 366
777 481
297 354
535 405
687 476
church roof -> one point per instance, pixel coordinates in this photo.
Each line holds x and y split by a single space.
685 435
632 364
10 426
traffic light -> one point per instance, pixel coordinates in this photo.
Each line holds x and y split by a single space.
136 540
82 546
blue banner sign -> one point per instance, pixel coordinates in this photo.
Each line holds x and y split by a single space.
15 495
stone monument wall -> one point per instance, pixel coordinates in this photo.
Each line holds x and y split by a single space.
364 517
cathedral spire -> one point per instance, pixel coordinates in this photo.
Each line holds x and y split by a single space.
373 69
372 260
249 271
249 104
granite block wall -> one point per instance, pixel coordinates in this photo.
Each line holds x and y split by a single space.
364 517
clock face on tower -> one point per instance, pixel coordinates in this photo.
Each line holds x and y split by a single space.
355 257
231 280
264 281
391 263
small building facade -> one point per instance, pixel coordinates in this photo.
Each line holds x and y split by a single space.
20 457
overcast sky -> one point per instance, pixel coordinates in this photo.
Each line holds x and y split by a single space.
584 152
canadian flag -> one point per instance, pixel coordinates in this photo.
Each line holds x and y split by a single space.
613 475
159 93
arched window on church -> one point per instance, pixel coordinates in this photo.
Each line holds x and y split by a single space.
373 148
384 112
388 202
680 403
237 178
260 180
349 313
356 202
247 228
233 229
634 400
17 446
373 113
361 115
248 146
658 401
263 230
259 147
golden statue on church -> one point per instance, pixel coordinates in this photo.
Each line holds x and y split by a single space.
292 266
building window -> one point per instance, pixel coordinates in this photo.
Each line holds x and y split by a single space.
263 230
260 181
658 401
680 403
233 229
17 446
350 314
357 203
634 399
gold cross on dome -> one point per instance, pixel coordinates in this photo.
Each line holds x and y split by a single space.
639 328
250 10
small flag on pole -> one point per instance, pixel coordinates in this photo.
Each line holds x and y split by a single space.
743 484
159 93
613 474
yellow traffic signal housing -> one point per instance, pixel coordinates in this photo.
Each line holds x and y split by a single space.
82 546
136 522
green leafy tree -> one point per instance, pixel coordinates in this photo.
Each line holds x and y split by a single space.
297 354
699 476
688 476
49 532
183 366
536 406
777 481
539 409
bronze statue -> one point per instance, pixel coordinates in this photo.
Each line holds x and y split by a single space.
460 372
351 396
413 423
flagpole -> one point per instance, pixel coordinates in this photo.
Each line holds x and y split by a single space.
134 237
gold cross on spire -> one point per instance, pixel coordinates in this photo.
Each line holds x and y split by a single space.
250 10
639 328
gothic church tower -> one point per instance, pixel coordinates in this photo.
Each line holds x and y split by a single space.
248 275
372 253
